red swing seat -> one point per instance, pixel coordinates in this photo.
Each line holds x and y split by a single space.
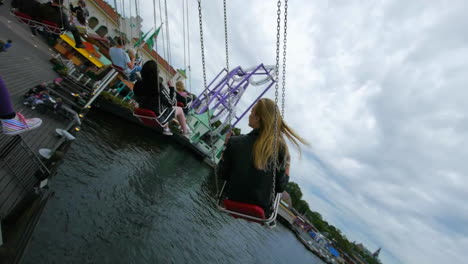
24 18
52 27
122 72
147 117
244 208
45 25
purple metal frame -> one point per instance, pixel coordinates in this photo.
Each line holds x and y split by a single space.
219 92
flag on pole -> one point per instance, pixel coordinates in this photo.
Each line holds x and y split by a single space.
150 40
141 40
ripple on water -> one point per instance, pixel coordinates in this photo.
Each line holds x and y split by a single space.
124 195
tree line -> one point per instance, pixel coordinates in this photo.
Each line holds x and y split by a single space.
331 232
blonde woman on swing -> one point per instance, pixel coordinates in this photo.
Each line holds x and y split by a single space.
248 161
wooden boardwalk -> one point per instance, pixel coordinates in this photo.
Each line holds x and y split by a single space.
23 66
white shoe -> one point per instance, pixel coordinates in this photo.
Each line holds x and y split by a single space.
167 132
187 133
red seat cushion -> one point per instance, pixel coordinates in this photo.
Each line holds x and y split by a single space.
52 27
150 121
25 18
118 68
244 208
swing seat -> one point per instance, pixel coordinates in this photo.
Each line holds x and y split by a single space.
23 18
52 27
149 117
244 208
122 72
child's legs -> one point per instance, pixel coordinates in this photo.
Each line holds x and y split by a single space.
181 118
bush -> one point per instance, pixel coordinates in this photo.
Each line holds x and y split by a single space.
117 101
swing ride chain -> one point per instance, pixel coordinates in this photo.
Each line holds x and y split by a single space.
275 142
226 36
168 36
201 43
227 65
155 21
284 54
213 154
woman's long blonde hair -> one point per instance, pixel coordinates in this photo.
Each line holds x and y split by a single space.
263 148
180 87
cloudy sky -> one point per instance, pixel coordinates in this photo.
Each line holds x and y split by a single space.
377 87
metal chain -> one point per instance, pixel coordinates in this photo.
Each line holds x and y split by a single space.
188 47
275 143
202 46
226 36
155 18
136 9
168 36
227 64
201 43
157 83
131 28
185 49
284 54
163 33
118 21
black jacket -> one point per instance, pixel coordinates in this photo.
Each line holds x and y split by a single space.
149 97
245 183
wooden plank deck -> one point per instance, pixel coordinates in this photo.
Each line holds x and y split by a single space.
23 66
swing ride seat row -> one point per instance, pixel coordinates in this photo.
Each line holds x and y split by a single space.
44 25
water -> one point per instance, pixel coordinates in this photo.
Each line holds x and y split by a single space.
126 195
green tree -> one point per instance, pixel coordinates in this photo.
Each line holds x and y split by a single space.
295 193
302 206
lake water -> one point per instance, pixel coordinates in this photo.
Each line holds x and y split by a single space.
127 195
